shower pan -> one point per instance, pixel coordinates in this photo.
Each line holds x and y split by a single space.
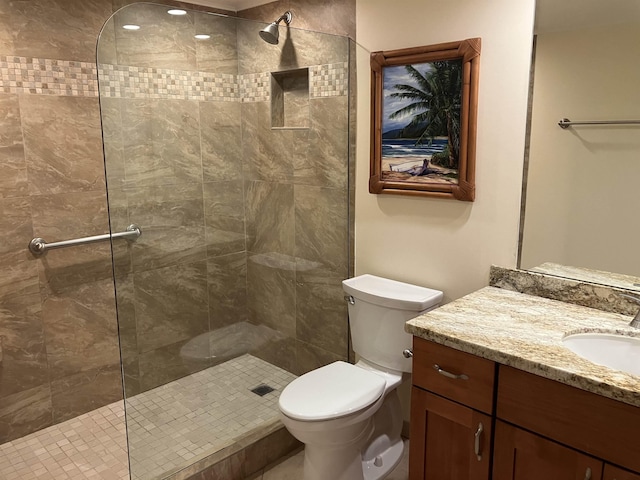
233 155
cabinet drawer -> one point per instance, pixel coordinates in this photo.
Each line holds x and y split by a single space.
614 473
585 421
471 383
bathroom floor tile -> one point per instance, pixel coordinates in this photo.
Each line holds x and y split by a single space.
292 468
169 427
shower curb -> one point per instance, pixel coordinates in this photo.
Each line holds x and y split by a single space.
244 458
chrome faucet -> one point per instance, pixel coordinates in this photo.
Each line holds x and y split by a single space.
636 320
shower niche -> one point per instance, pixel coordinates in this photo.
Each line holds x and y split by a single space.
290 99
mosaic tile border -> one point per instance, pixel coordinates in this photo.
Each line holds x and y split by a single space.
139 82
37 76
330 80
42 76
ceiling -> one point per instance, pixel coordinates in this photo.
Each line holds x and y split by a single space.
233 5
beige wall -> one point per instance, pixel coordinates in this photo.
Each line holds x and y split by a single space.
447 244
582 188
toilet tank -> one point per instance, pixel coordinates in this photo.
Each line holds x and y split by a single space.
377 314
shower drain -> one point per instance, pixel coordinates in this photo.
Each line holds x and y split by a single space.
262 390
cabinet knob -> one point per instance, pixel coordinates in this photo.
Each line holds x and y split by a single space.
587 475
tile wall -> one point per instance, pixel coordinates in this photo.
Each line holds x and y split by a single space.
57 313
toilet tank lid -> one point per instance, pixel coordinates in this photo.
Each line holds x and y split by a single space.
391 293
329 392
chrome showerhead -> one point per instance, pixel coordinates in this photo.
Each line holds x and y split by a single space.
271 33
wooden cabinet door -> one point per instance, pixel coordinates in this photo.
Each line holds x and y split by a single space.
520 455
615 473
445 437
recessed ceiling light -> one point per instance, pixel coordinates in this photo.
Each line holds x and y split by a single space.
203 36
175 11
131 27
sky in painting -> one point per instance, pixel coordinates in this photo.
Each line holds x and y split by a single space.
394 76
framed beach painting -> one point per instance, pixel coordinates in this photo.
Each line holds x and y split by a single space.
423 112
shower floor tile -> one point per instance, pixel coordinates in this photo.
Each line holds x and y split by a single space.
181 422
169 427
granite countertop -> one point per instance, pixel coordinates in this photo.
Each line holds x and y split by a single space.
525 332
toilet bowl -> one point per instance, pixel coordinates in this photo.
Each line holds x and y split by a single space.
349 416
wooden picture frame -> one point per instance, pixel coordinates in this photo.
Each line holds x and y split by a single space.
432 105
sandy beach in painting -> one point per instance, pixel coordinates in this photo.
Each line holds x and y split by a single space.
442 175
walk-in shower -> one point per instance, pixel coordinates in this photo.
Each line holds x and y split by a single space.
234 159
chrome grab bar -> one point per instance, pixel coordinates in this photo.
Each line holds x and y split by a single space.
38 246
566 123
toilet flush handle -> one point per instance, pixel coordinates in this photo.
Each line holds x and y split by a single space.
407 353
350 299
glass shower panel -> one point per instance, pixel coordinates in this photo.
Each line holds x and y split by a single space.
232 155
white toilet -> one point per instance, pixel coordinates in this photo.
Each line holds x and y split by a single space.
349 416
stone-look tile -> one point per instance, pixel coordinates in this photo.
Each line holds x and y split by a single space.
19 267
268 450
64 217
161 142
269 12
230 468
321 312
171 304
280 352
271 293
63 144
310 357
290 99
59 29
24 359
163 41
321 223
107 51
227 287
117 4
165 364
326 163
13 168
269 213
224 217
291 468
336 17
80 393
353 94
219 53
25 412
172 222
297 48
268 153
221 141
111 116
6 37
127 332
80 328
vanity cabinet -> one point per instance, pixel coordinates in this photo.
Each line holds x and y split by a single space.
455 440
451 406
521 455
532 427
614 473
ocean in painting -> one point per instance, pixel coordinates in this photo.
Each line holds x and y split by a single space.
397 148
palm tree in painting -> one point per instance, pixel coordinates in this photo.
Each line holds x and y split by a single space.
435 103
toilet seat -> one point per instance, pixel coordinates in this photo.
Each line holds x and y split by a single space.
333 391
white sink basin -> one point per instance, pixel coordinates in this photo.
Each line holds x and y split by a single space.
618 352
